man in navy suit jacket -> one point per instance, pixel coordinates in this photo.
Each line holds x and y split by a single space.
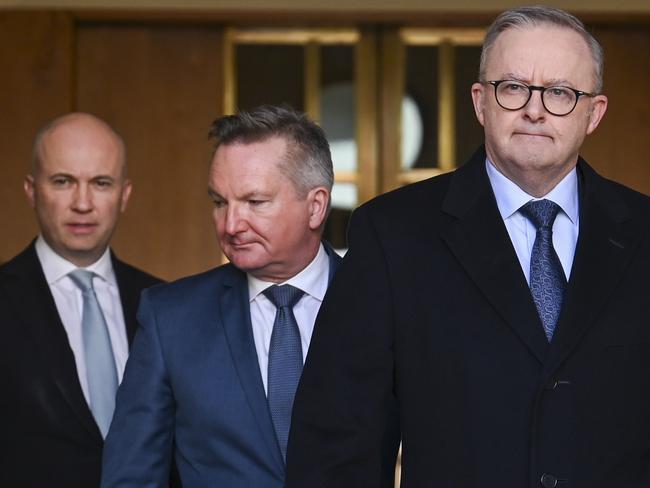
196 384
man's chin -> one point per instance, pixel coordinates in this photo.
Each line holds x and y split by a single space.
538 160
243 260
81 255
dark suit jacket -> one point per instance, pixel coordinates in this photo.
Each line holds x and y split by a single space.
430 330
193 375
49 436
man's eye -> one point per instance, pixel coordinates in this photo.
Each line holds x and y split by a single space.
218 203
256 203
103 183
558 92
60 181
514 87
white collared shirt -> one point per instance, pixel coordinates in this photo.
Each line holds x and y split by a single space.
69 303
313 281
522 232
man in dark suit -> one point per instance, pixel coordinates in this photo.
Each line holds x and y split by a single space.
218 356
52 422
495 319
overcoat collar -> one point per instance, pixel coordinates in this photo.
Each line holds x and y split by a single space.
478 238
608 238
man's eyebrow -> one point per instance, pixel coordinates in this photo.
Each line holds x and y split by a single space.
61 174
549 82
252 194
558 82
213 194
514 77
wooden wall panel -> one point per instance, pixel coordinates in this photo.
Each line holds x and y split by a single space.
160 86
620 147
35 67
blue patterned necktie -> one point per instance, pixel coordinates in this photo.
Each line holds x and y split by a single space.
547 279
100 364
285 359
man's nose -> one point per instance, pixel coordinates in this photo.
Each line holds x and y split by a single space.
82 198
535 109
235 221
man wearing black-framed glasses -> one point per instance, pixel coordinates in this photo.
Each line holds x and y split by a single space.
496 319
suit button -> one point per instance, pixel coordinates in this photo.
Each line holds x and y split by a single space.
548 480
553 383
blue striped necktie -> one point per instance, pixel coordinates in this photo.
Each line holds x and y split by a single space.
100 364
285 360
547 279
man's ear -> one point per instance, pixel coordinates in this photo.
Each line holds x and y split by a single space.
28 186
126 193
478 99
318 199
597 110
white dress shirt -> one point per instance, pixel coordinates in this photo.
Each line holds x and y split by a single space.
510 198
69 303
313 281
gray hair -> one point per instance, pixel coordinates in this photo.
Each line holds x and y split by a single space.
308 164
533 16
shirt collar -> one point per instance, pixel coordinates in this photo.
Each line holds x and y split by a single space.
312 280
56 267
510 198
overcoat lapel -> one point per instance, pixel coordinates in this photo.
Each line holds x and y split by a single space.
235 315
608 239
479 240
334 261
41 320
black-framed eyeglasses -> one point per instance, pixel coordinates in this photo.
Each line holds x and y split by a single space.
557 100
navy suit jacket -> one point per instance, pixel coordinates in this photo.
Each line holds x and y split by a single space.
49 436
193 389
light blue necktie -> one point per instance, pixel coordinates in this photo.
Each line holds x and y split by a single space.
547 279
100 364
285 360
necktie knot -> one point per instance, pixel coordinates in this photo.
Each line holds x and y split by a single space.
83 279
541 213
283 296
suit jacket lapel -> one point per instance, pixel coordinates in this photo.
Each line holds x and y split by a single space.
607 241
235 315
479 240
41 319
129 296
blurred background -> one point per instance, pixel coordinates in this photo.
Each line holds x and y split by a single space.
388 81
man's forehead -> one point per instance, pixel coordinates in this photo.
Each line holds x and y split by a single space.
243 157
82 161
244 142
527 38
554 52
